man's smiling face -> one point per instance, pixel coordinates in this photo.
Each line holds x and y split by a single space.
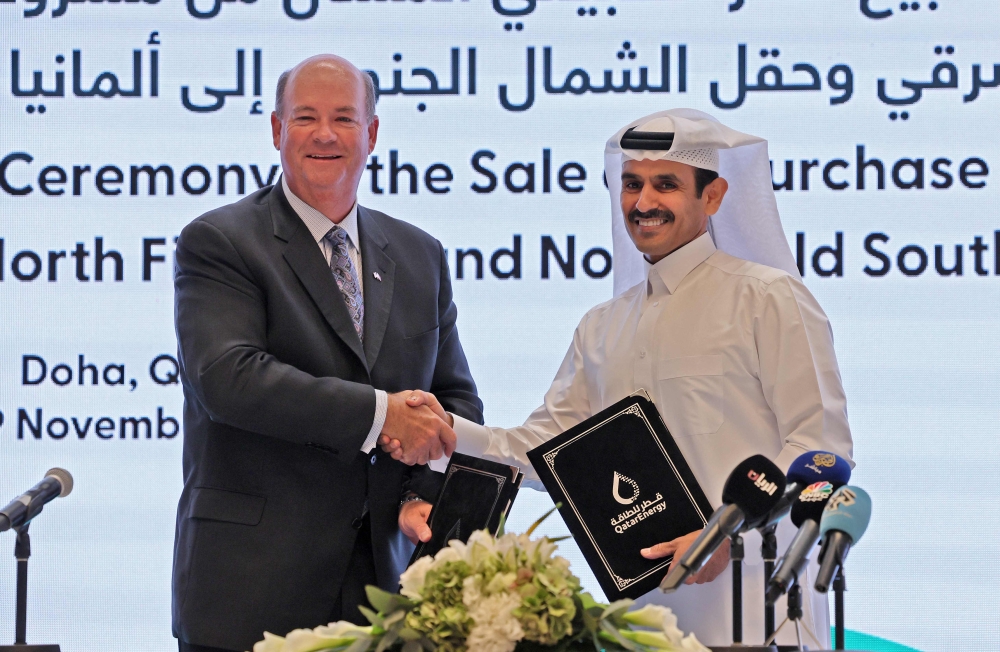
324 135
662 208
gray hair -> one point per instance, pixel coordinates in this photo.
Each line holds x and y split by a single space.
371 94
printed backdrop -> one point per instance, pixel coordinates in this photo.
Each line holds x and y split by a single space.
123 121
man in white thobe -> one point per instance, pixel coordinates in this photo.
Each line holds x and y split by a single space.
735 352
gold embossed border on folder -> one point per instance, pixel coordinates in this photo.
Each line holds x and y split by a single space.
634 410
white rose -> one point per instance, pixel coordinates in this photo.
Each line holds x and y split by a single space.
271 643
689 644
657 617
343 629
506 543
454 552
413 578
322 638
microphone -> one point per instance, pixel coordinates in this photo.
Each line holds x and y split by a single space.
750 492
844 520
806 512
808 468
57 482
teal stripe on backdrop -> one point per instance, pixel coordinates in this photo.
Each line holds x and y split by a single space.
861 641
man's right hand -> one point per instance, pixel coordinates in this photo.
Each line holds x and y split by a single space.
415 399
422 434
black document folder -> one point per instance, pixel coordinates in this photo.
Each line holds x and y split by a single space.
476 495
624 486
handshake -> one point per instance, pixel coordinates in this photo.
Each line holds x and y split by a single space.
417 429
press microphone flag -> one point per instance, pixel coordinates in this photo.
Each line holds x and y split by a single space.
749 494
57 482
809 468
807 510
844 520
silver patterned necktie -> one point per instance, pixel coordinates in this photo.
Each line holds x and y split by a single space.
347 277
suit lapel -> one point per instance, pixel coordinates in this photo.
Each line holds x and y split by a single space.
303 255
379 271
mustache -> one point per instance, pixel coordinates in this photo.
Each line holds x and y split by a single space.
655 213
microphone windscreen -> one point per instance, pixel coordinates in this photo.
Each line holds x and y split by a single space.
64 478
849 510
755 486
816 466
811 501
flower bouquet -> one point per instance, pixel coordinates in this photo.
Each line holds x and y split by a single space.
493 594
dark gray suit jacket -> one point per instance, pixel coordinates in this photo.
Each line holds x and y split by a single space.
278 400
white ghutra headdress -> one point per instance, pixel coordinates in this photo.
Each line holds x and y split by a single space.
747 224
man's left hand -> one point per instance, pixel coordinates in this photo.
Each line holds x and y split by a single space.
716 564
413 521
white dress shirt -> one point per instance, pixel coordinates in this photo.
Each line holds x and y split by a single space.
739 360
319 225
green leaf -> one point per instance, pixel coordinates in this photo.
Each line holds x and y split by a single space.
397 617
541 519
588 601
503 523
616 607
360 645
385 602
608 631
387 641
558 539
374 618
381 600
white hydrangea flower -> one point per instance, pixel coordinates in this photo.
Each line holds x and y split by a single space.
496 629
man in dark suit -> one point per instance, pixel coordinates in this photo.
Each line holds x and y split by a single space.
301 319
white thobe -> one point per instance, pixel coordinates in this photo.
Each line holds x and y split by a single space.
739 360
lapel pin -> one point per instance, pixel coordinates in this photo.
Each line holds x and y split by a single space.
377 277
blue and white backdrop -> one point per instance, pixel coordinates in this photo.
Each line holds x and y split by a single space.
123 121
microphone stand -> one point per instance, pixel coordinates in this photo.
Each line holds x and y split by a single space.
769 551
839 586
736 554
795 616
22 551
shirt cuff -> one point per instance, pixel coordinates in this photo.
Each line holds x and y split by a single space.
381 407
473 439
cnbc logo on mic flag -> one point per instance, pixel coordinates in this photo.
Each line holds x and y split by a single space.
759 481
816 492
